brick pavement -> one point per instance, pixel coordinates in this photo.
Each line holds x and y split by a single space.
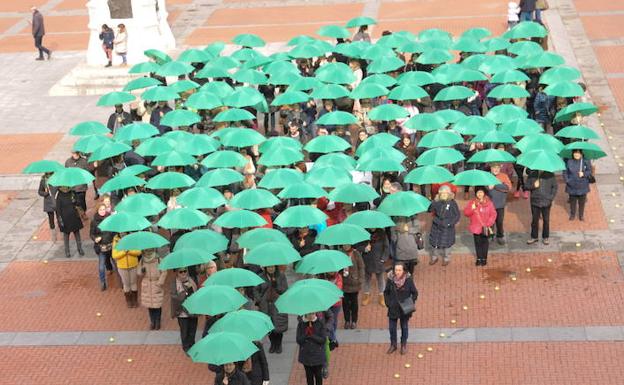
17 151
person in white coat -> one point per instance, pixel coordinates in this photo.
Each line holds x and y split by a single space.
121 44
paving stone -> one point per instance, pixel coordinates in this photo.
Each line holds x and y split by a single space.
604 333
131 338
567 334
30 338
529 334
62 338
493 334
162 338
95 338
6 338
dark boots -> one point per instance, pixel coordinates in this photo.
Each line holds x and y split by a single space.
128 296
134 298
403 348
392 348
278 343
66 244
79 243
154 316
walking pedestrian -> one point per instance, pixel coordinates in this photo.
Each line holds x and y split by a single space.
80 191
540 6
513 14
482 215
351 285
577 175
404 236
107 36
231 375
48 192
127 262
400 296
152 282
102 244
265 295
446 215
181 288
543 187
121 44
38 31
311 336
68 218
375 254
118 118
498 195
527 7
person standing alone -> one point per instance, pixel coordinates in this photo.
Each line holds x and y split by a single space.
38 30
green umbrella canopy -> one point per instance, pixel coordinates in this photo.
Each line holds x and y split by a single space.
256 237
141 204
306 51
590 150
418 78
290 97
334 32
473 125
225 62
434 56
303 299
246 55
244 97
440 138
183 218
475 178
323 261
577 132
454 93
222 348
300 216
434 33
404 204
123 222
353 193
457 73
302 190
508 91
407 92
135 169
329 91
282 157
510 76
157 55
381 79
194 55
141 240
342 234
439 156
360 21
169 180
234 277
272 254
120 183
394 40
429 175
385 64
492 156
327 143
180 118
144 67
70 177
89 128
155 146
254 325
174 68
540 60
493 136
521 127
234 115
477 33
543 160
240 219
142 82
506 112
337 73
254 199
213 300
240 137
337 160
208 241
159 94
42 166
560 74
368 91
337 118
469 45
370 219
224 158
280 178
380 140
278 66
201 198
524 48
450 116
248 40
204 100
316 282
380 164
497 44
212 71
135 131
328 176
108 150
115 98
305 84
567 113
539 142
526 30
564 90
300 40
284 78
197 144
214 49
184 258
426 122
386 112
497 63
279 142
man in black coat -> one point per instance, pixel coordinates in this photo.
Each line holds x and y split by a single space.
38 30
234 376
543 187
157 113
118 118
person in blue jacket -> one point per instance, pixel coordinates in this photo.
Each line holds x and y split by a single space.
577 175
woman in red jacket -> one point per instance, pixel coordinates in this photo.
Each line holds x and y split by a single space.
482 215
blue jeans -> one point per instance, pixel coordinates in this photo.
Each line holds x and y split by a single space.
538 15
526 16
102 267
332 332
392 326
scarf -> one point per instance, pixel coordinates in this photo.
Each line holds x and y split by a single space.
399 282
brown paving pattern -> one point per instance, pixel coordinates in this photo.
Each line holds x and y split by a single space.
603 27
497 25
598 5
7 23
440 8
55 24
610 57
17 151
67 5
285 15
19 6
203 36
617 88
535 363
56 42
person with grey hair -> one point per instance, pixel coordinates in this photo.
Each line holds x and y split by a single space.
38 31
446 215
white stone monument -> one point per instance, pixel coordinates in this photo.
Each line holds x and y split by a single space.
146 25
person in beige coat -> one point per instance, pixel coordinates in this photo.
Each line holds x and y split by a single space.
152 282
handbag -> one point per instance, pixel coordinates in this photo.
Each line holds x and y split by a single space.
487 231
407 305
420 243
591 178
541 5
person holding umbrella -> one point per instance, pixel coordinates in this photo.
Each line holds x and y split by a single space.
482 215
256 367
577 177
80 191
265 295
127 262
400 296
182 288
47 192
102 243
446 215
351 285
311 336
118 118
152 282
543 187
375 253
68 218
231 375
498 195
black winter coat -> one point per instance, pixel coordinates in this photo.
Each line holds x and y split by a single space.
309 245
265 296
259 366
446 215
66 212
312 347
237 378
393 296
125 119
47 192
544 195
94 232
379 253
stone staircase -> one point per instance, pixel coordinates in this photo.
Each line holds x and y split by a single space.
92 80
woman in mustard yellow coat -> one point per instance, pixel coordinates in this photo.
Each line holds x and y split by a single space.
127 262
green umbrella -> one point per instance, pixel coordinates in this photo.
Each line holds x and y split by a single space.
492 156
272 254
450 116
385 64
380 164
252 324
302 190
306 51
108 150
390 153
525 48
590 150
215 48
155 146
89 128
300 40
564 90
560 74
256 237
543 160
225 62
141 240
290 97
329 91
281 66
250 76
440 138
213 300
201 198
183 218
184 258
469 45
327 143
280 178
457 73
473 125
244 97
254 199
180 118
353 193
120 183
194 55
510 76
521 127
328 176
368 91
248 40
240 219
123 222
204 101
407 92
506 112
142 204
324 261
475 178
381 79
404 204
157 55
381 140
526 30
222 348
208 241
303 299
245 54
174 158
477 33
42 166
316 282
493 136
233 115
169 180
360 21
370 219
212 71
281 157
159 94
134 170
224 158
453 93
337 160
198 144
418 78
577 132
497 44
144 67
429 175
434 56
539 142
337 118
284 78
135 131
386 112
342 234
241 137
174 68
434 33
70 177
425 122
115 98
334 31
305 84
439 156
300 216
337 73
142 82
279 142
509 91
567 113
540 60
234 277
497 63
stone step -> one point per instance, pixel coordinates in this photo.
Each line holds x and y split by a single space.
92 80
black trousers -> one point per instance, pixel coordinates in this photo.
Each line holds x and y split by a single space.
482 244
188 327
81 200
580 201
314 374
154 314
520 172
40 47
350 307
51 220
500 217
536 213
276 338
